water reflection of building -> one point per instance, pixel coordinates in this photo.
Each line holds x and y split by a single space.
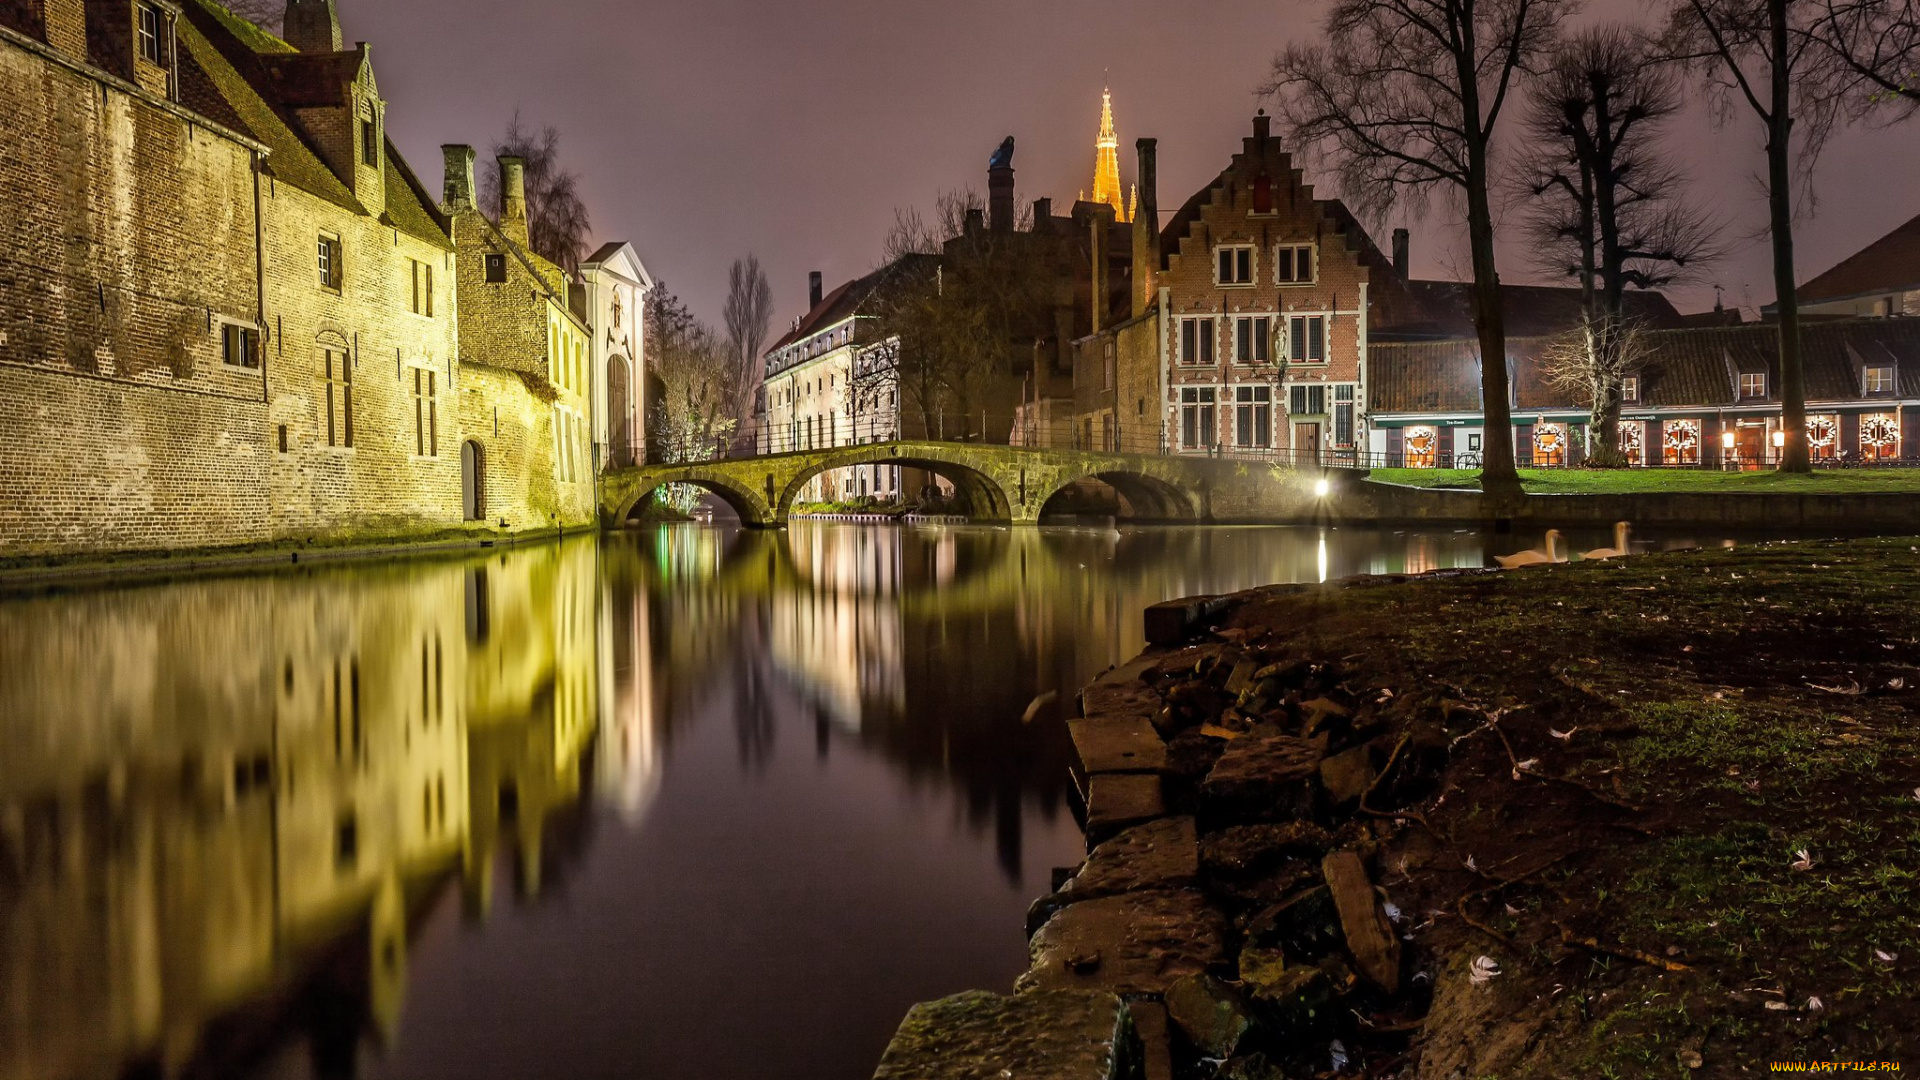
223 799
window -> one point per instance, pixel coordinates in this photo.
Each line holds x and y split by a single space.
1753 384
329 262
1549 445
1197 430
426 413
1235 265
1106 365
240 345
496 267
1307 400
1307 339
1422 447
1880 436
1253 416
1630 388
1251 340
337 367
370 141
422 287
1293 264
1343 402
1879 379
151 27
1196 341
1680 442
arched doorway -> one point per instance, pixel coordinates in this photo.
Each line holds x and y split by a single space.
473 481
619 412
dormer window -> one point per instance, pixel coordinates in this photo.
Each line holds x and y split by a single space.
152 28
1878 379
1630 388
1753 384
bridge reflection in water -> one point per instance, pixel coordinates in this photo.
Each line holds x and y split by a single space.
238 816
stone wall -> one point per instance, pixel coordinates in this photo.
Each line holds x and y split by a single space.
127 246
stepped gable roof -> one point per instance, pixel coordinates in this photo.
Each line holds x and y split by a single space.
1696 367
1889 264
233 81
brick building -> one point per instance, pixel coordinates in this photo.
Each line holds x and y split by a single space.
228 308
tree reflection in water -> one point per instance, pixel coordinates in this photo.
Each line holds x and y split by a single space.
232 809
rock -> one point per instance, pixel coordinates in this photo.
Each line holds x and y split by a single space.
1125 743
1209 1014
1292 1002
1242 851
1305 926
1241 678
1050 1035
1118 800
1162 854
1370 937
1172 621
1144 941
1156 1039
1251 1067
1261 966
1262 778
1347 775
1191 755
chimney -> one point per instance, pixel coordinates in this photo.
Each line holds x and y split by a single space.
976 221
1000 188
1400 256
1042 215
457 188
813 290
513 198
1262 127
312 26
1146 228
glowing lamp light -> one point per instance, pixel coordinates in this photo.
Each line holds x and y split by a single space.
1321 487
1726 440
1779 439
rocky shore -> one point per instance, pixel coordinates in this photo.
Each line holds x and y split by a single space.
1553 823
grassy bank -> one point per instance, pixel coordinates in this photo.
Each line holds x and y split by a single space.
1674 799
1643 481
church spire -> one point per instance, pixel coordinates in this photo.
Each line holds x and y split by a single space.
1106 164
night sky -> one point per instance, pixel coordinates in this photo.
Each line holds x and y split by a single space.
705 129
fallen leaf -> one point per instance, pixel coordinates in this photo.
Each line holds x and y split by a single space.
1814 1004
1886 956
1852 689
1692 1059
1805 861
1778 1006
1563 736
1483 968
1471 865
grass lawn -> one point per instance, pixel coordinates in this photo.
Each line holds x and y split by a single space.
1631 481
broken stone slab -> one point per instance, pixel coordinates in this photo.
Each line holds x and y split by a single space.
1136 943
1162 854
1048 1035
1263 778
1347 775
1116 801
1240 851
1209 1014
1118 744
1370 938
1290 1001
1305 926
1155 1034
1173 621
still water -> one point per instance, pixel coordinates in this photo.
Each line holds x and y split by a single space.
681 802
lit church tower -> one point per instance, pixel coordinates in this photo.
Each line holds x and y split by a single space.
1106 166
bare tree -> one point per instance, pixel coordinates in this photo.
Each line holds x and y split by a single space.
1606 204
1402 99
557 220
1761 54
1869 53
696 412
748 316
1573 364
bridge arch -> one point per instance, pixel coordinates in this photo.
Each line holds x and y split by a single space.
1145 497
749 504
986 498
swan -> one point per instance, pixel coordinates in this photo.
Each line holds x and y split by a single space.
1534 556
1619 548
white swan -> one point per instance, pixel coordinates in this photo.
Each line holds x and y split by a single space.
1619 548
1533 556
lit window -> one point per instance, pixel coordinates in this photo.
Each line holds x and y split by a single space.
1630 388
1753 384
152 26
1880 436
1235 265
1549 444
240 345
1307 339
1680 442
1196 341
1252 340
1422 446
1879 379
1293 264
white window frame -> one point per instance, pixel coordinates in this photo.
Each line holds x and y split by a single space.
1630 388
1207 342
1312 254
1253 265
1755 379
150 40
1870 380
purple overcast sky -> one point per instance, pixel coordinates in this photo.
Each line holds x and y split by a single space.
707 129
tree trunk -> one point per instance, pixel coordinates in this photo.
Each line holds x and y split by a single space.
1497 473
1793 390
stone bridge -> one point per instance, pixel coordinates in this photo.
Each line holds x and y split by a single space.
1004 484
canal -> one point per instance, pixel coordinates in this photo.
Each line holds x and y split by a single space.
679 802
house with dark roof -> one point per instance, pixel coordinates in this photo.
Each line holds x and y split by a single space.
1701 395
1880 279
